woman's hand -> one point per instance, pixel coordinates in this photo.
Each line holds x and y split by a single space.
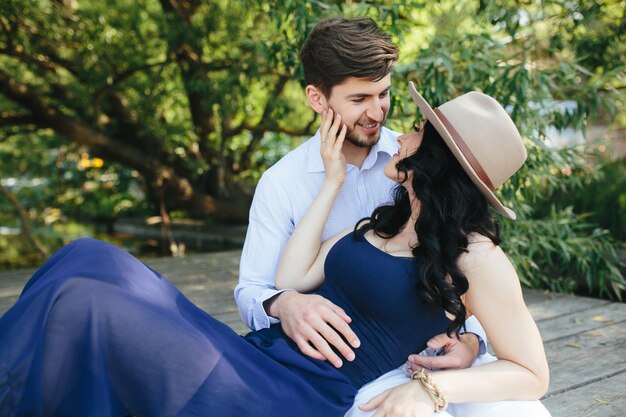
334 161
406 400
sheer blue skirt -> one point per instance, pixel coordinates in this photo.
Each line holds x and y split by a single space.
97 333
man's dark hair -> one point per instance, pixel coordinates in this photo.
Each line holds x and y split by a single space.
338 48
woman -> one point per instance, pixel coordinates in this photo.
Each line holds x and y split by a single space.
97 333
439 237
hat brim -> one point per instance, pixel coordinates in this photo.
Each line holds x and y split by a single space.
432 117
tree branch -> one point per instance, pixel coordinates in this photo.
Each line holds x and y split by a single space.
122 76
265 118
273 127
17 130
265 122
188 52
127 126
23 217
49 116
221 65
50 58
9 118
40 60
6 28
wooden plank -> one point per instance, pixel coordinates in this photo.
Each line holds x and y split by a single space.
602 398
586 356
6 303
12 291
11 285
199 262
15 279
587 319
559 305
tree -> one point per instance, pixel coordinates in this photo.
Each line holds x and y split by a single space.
181 92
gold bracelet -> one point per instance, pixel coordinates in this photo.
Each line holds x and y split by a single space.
433 390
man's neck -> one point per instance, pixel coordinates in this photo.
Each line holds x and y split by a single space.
355 155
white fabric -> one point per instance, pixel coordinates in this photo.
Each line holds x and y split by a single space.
489 409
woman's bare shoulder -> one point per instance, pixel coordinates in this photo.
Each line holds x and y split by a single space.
481 253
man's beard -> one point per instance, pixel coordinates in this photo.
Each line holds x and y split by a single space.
362 140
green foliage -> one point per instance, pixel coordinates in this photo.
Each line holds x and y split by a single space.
16 253
564 252
63 182
601 197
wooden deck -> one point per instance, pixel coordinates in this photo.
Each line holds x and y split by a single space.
585 338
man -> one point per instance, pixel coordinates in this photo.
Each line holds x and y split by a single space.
347 69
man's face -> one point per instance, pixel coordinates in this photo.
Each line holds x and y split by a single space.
363 105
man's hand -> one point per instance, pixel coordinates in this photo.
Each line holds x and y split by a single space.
459 353
314 323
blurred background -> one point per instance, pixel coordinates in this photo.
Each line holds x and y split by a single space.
148 122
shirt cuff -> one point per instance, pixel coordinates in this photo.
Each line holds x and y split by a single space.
260 319
473 326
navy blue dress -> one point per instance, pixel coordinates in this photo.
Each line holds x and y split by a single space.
97 333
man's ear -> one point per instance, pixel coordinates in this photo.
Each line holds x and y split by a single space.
316 98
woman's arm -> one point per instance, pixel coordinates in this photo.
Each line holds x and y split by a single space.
302 264
495 298
521 371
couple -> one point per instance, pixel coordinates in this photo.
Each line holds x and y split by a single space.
347 67
95 332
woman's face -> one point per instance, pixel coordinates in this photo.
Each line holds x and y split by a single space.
409 142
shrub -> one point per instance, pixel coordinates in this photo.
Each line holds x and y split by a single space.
565 252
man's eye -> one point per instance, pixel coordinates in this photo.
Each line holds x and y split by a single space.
357 100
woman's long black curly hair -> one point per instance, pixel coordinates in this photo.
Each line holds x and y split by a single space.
451 207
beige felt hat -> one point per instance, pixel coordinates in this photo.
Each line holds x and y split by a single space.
482 137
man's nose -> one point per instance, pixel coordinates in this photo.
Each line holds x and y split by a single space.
375 111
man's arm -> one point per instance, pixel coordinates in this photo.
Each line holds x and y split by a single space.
269 228
311 321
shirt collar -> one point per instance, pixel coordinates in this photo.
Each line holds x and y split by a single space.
386 145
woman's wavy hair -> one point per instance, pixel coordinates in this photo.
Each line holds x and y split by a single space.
451 207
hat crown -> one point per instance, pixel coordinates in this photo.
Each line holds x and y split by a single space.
485 127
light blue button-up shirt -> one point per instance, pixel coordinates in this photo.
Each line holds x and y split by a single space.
282 197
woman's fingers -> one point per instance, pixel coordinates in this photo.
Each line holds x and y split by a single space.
331 136
329 129
333 133
334 127
340 138
327 120
374 402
